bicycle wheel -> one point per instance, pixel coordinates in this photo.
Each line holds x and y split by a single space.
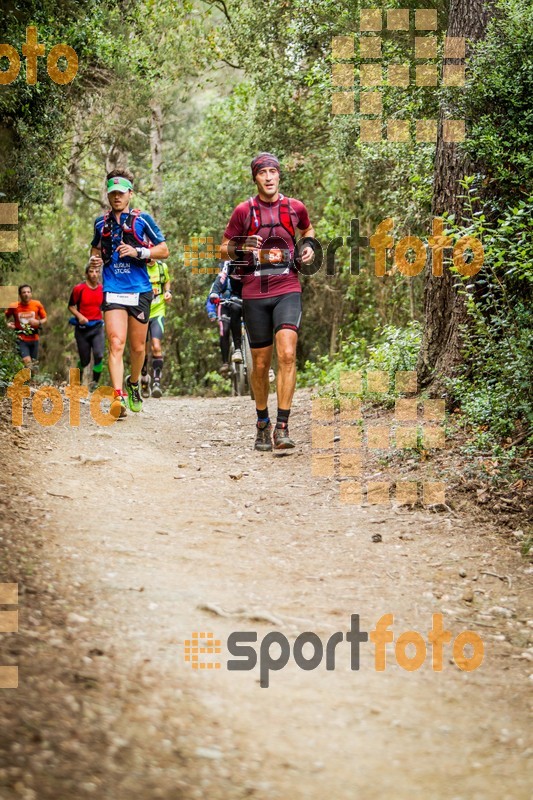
248 359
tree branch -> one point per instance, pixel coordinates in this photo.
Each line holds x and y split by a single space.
87 196
221 5
235 66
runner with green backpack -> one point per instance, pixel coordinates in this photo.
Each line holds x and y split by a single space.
160 280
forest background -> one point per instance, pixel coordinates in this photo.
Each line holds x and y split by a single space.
185 93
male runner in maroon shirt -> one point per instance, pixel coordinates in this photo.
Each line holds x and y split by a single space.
261 236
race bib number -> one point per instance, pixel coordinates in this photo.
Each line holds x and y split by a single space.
123 299
272 261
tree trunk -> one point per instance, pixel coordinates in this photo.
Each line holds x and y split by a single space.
156 150
333 335
444 308
73 173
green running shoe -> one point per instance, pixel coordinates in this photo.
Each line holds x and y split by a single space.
134 396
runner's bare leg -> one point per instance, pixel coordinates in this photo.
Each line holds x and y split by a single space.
137 343
262 358
286 341
116 328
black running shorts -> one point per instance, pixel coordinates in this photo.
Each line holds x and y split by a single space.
265 316
156 328
30 349
140 312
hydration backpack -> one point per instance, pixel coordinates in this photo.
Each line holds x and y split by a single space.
284 221
128 234
284 218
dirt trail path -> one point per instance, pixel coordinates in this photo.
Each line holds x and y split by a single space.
149 522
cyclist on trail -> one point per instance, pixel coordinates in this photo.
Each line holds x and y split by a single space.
224 289
27 317
261 239
160 280
85 304
124 241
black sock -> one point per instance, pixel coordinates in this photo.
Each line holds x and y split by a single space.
144 370
262 417
283 416
157 366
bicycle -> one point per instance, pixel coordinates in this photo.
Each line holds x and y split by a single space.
240 371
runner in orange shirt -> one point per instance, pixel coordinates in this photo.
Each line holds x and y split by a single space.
26 317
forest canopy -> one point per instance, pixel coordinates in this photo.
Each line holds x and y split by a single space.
186 93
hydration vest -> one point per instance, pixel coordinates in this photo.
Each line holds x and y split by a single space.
128 235
160 281
284 221
284 218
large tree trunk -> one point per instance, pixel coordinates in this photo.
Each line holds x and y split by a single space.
73 172
156 150
444 308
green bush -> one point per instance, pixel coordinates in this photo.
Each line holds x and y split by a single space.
498 101
10 362
396 350
495 387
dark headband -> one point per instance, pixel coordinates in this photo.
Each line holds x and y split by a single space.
264 160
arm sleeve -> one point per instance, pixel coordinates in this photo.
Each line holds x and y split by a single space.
74 297
210 308
236 225
303 217
219 284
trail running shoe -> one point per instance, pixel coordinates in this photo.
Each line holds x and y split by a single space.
156 390
118 405
237 357
224 370
134 396
145 386
282 440
93 386
263 439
